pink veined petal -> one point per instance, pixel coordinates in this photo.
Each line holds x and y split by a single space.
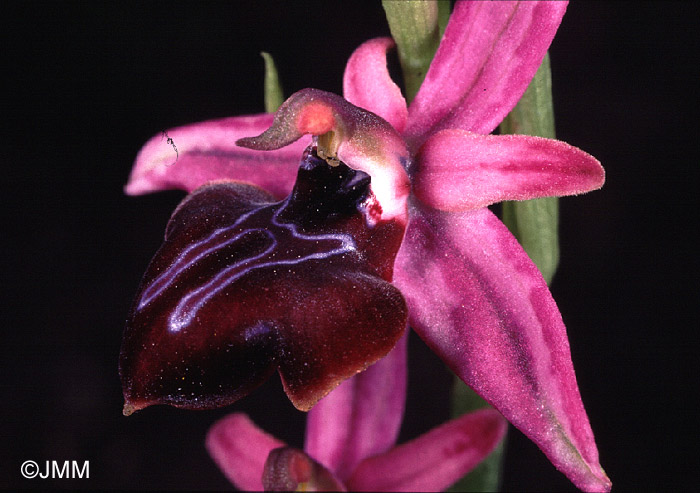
487 57
457 170
480 303
361 417
367 83
434 461
240 449
189 156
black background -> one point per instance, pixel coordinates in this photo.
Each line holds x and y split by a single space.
87 83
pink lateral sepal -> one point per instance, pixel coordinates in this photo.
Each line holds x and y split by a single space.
361 417
480 303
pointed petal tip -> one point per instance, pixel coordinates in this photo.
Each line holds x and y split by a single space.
528 378
131 407
586 476
206 152
456 170
137 186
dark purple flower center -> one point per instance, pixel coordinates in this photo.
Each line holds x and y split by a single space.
243 286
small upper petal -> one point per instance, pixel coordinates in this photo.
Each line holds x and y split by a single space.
187 157
361 417
457 170
487 57
240 449
481 304
367 83
434 461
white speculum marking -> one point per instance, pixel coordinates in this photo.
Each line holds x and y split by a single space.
271 256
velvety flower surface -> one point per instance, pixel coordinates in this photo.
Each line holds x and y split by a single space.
227 300
245 285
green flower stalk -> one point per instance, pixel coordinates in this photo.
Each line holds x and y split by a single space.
535 222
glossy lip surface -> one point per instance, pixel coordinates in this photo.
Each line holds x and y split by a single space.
473 294
244 285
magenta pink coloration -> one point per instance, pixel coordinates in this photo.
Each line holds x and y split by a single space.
487 57
207 151
457 170
240 449
367 83
473 294
362 417
498 328
358 461
434 461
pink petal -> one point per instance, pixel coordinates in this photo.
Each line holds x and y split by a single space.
361 417
481 304
458 170
367 83
436 460
487 57
290 469
240 449
207 151
348 134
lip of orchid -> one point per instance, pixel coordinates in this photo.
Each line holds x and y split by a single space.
344 132
456 257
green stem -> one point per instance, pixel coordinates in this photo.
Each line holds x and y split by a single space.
414 26
487 475
535 222
417 27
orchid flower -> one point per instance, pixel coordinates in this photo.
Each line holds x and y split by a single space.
315 270
350 445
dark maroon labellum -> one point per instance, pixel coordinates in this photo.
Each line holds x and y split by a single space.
243 286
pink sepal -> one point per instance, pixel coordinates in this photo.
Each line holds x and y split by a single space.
487 57
189 156
361 417
240 449
480 303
